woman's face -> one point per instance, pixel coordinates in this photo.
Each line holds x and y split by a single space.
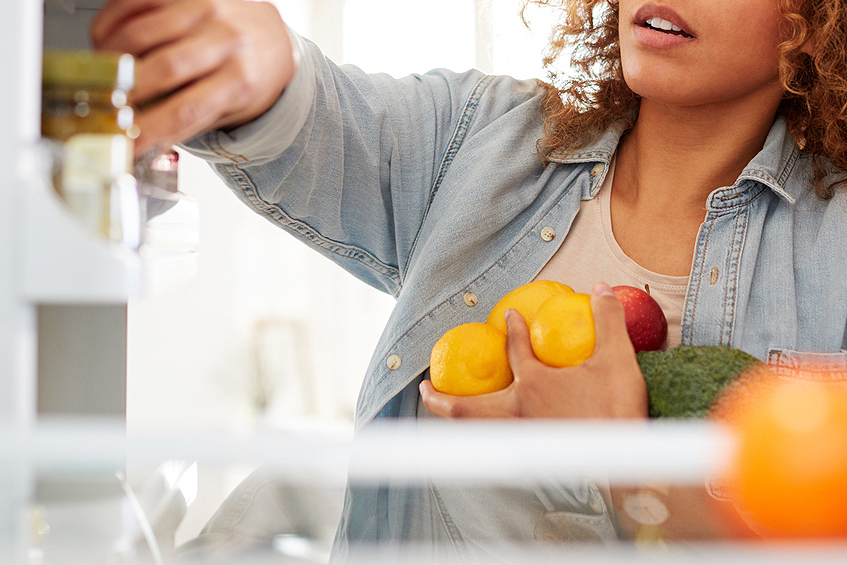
695 52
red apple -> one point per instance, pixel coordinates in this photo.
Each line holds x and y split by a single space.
645 322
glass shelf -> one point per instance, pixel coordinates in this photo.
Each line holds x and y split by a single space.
62 261
301 473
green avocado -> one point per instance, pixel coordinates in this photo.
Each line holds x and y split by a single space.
684 382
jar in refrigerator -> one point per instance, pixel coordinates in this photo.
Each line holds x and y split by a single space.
159 168
85 108
157 173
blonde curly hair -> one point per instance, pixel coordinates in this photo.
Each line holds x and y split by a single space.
593 95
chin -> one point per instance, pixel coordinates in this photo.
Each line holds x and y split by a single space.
665 81
670 92
677 85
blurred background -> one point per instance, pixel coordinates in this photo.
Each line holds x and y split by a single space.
271 334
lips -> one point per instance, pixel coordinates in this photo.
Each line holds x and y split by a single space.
662 19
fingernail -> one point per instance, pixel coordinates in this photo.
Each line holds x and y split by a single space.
602 289
509 313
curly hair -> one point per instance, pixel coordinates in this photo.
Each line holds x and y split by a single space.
593 94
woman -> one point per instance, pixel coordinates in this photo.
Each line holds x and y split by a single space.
700 150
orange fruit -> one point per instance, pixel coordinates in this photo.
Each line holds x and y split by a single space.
789 470
470 359
526 299
562 330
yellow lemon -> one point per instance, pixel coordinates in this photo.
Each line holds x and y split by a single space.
526 299
562 330
470 359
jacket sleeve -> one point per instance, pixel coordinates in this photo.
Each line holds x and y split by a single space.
347 161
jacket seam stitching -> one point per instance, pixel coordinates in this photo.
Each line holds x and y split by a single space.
456 539
690 328
218 149
332 246
740 229
724 198
215 148
789 166
456 140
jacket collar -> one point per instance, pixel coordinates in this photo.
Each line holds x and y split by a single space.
771 167
774 164
600 149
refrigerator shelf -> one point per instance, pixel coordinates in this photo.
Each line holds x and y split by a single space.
62 261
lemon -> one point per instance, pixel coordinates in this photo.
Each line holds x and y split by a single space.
470 359
526 299
562 330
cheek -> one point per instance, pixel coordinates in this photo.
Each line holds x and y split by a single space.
747 42
749 59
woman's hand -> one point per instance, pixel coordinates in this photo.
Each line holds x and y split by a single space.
217 62
608 385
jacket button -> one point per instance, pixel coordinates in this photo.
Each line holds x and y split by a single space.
596 506
547 234
470 299
394 362
597 169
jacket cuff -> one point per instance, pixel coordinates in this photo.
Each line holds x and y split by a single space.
272 132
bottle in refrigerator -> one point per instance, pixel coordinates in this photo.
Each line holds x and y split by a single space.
85 109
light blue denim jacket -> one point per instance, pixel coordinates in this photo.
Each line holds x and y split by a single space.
430 188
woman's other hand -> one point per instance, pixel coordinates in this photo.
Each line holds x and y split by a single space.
608 385
206 63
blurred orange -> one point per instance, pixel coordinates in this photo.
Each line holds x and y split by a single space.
788 475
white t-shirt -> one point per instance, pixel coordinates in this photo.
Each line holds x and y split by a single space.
590 254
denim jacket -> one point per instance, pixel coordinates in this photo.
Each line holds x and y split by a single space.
430 188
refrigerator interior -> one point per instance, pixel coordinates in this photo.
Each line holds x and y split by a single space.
81 486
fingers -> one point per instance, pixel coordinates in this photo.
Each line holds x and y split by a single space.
518 342
155 28
114 13
495 405
206 63
175 44
609 322
183 62
614 364
189 112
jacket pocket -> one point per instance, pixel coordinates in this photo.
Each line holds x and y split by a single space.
593 524
573 526
806 366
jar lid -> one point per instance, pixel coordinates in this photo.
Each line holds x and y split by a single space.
93 68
